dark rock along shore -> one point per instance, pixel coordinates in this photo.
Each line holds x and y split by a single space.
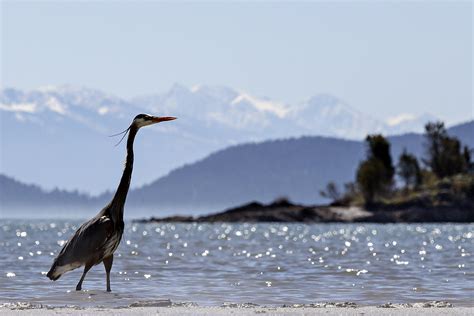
284 211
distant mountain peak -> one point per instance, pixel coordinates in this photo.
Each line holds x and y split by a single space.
262 105
403 117
409 122
217 92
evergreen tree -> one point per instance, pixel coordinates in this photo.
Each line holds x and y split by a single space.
375 174
444 156
409 170
370 179
379 148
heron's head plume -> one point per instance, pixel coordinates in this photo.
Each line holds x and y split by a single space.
143 120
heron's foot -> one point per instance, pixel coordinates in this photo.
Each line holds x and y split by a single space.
109 290
78 287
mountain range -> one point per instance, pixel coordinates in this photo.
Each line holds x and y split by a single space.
296 168
57 136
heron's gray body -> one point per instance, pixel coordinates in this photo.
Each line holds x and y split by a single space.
97 239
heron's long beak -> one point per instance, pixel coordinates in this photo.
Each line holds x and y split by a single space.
158 119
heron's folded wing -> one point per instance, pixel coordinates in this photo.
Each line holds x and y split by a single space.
88 240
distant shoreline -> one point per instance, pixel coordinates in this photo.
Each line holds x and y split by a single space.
284 211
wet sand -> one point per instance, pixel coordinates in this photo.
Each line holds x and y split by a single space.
242 311
167 308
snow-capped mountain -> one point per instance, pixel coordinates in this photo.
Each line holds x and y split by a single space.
329 116
408 122
57 135
84 106
221 115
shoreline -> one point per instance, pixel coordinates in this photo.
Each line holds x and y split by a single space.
166 307
283 211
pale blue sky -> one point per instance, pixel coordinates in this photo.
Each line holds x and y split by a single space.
383 59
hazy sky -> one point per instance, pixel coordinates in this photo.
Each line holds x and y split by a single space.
384 59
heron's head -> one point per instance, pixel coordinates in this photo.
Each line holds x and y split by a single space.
144 119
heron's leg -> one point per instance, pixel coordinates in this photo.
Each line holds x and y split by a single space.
86 269
108 266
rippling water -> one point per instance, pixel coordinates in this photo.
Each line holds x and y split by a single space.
260 263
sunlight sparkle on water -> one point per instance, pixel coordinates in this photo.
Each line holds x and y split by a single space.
269 263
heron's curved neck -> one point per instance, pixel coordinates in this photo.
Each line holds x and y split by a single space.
120 196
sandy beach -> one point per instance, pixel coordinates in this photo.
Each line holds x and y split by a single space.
168 308
242 311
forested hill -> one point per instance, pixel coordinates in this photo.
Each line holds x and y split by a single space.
17 198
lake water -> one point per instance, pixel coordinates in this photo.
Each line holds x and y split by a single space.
271 264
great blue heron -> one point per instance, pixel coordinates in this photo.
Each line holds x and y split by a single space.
97 239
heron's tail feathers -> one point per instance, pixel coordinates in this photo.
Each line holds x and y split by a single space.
57 270
52 274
